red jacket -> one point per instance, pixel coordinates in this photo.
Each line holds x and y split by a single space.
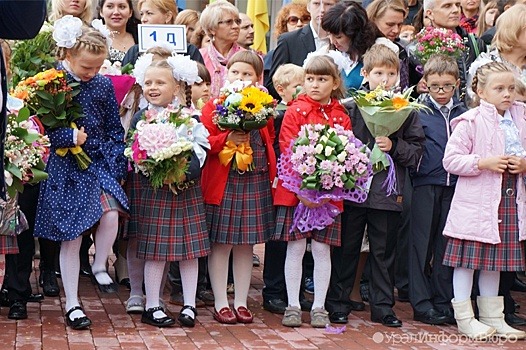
306 111
214 175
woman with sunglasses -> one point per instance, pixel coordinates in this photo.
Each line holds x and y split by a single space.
220 21
291 17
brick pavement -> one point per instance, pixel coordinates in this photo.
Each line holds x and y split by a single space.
114 329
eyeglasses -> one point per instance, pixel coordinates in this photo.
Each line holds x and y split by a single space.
446 88
230 22
294 20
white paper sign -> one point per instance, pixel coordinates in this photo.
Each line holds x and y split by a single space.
150 34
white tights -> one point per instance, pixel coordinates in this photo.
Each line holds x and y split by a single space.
218 270
463 283
321 254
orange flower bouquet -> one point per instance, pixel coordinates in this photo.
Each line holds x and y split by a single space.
49 95
384 112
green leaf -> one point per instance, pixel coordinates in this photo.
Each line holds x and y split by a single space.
30 138
43 111
48 120
38 175
14 170
60 98
23 114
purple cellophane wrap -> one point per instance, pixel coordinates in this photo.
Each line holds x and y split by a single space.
390 181
307 219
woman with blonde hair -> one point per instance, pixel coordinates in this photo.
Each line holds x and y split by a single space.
487 18
76 8
158 12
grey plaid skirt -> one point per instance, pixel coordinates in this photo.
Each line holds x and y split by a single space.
171 227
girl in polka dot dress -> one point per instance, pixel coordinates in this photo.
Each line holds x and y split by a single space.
166 226
320 105
73 200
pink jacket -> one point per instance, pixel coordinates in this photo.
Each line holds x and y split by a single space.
476 134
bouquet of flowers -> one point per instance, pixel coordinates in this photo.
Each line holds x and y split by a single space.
162 143
49 95
120 77
25 152
324 163
384 112
244 107
431 40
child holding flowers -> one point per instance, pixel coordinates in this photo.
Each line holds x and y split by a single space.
381 211
167 150
319 105
74 199
485 225
238 203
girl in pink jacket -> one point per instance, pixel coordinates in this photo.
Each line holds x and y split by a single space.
486 220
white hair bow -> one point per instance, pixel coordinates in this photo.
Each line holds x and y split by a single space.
97 24
66 31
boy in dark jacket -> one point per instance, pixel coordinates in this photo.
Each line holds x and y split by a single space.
380 212
430 284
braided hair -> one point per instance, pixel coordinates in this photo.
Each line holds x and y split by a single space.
481 76
91 40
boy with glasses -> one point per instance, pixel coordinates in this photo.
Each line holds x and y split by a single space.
430 282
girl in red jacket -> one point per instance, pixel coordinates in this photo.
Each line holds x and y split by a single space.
323 87
238 205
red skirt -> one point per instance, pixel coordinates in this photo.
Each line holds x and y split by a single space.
505 256
331 235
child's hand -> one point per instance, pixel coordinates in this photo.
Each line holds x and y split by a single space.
516 165
497 164
81 137
421 88
310 204
238 137
384 143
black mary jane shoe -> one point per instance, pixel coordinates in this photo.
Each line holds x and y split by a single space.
79 322
104 288
149 318
186 320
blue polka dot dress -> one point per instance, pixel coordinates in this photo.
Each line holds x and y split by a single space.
70 199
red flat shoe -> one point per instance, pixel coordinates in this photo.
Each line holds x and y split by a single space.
243 315
225 315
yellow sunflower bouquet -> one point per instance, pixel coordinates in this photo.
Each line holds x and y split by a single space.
243 107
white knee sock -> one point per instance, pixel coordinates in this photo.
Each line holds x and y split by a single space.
189 270
489 283
104 239
294 270
135 268
242 269
462 283
218 271
153 275
69 267
321 254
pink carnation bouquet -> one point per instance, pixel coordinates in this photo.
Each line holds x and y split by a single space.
431 40
162 144
324 163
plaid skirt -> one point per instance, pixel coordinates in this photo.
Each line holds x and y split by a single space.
109 203
505 256
171 227
128 225
246 213
331 235
8 245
